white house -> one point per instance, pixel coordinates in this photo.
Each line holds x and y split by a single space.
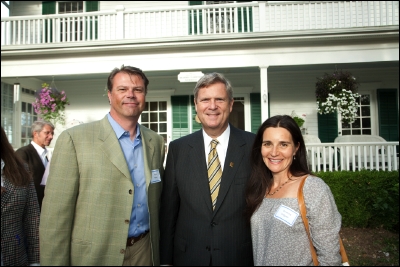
271 51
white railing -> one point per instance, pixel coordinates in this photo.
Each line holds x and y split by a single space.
354 156
120 24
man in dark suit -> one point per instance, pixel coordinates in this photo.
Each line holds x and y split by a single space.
202 203
35 154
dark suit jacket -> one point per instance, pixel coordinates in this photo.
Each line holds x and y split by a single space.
191 232
29 155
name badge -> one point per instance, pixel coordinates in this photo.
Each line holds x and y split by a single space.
286 215
155 176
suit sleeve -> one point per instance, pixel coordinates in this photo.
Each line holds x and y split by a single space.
59 203
170 202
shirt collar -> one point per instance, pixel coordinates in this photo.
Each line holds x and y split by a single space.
222 139
119 131
40 150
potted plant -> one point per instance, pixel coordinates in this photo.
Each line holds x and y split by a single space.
337 92
299 120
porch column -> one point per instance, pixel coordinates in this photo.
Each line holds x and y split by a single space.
119 27
264 93
17 115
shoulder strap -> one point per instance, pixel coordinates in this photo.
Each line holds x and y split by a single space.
303 212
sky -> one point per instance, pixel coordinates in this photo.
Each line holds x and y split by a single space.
4 10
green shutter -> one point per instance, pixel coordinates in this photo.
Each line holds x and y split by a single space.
195 3
195 125
255 110
90 7
180 120
388 114
327 127
48 8
242 11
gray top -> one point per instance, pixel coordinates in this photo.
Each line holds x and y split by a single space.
279 238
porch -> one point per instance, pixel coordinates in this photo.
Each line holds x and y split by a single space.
197 22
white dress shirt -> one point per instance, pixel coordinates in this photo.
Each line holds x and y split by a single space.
42 152
222 146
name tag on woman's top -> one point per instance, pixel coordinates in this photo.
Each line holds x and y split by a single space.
286 215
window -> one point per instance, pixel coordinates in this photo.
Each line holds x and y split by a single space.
71 29
362 124
154 117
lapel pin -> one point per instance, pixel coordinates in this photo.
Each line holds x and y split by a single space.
231 164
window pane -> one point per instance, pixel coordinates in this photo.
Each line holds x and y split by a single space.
345 125
366 131
356 132
366 123
162 105
154 127
145 125
356 124
365 111
162 116
153 117
153 106
145 117
163 127
365 100
346 132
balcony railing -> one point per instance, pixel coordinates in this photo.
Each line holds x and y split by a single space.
133 24
353 156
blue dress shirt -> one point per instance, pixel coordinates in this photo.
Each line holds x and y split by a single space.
133 152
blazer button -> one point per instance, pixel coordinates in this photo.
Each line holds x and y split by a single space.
213 224
122 251
130 191
127 221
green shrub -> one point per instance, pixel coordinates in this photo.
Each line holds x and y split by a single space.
366 198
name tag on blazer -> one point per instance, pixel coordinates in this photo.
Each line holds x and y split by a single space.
155 176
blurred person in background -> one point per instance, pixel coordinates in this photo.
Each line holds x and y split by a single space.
20 213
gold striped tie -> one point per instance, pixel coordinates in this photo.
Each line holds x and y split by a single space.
214 172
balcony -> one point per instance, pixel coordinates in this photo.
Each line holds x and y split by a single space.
197 23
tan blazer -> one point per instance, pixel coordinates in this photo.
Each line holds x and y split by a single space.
89 196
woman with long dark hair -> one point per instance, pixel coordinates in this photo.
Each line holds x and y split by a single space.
279 164
19 210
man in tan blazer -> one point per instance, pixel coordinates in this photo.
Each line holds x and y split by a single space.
102 196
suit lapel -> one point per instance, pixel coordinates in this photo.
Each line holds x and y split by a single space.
111 147
233 159
37 161
200 175
148 153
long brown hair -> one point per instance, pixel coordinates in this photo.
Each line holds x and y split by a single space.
14 168
261 177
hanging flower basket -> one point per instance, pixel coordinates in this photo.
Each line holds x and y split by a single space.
50 104
337 92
